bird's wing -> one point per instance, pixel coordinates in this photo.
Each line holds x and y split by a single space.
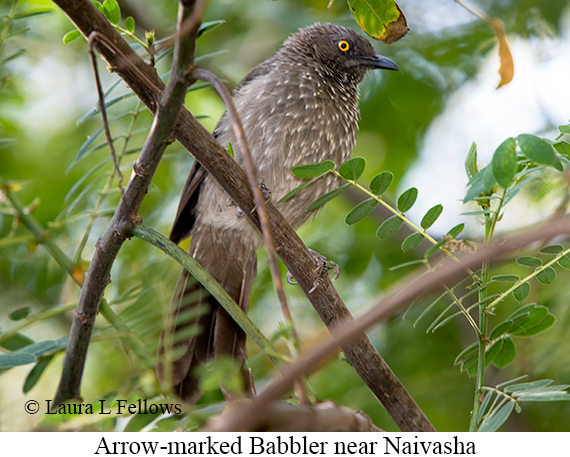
185 215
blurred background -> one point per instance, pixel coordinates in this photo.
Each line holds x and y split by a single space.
418 123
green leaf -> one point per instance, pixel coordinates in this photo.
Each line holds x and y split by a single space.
36 373
352 169
564 262
130 24
545 396
527 329
497 417
206 27
16 341
327 197
506 354
500 329
546 276
455 231
15 359
112 11
32 12
295 191
412 242
504 162
489 179
471 167
71 36
20 314
529 261
528 386
389 227
564 128
99 7
312 170
484 405
492 350
505 278
521 292
381 19
553 249
360 211
563 148
539 151
431 216
407 199
538 320
381 182
467 353
141 420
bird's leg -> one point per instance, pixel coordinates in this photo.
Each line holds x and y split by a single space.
266 194
323 266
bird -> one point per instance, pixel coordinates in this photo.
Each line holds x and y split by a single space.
300 106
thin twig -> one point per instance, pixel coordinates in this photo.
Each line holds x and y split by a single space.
94 36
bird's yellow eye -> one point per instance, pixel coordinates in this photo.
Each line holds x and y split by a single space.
343 45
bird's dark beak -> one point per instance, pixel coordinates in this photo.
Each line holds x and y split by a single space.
380 62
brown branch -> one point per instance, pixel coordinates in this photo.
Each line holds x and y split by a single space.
95 36
321 417
191 134
167 105
248 416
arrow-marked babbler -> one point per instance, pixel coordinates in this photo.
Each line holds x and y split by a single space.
298 107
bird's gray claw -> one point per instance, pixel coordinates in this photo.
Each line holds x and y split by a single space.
290 279
324 265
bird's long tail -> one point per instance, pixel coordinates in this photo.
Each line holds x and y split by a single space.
197 327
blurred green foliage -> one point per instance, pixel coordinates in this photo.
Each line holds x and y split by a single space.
47 87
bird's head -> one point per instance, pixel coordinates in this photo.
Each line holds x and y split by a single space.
336 52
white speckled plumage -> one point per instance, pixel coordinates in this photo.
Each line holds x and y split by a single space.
298 107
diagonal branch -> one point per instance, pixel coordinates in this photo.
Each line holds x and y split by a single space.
167 104
144 82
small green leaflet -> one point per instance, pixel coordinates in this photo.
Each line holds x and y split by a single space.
552 249
521 292
412 242
352 169
539 151
471 167
431 216
71 36
328 197
505 162
360 211
130 24
389 227
112 11
529 261
313 169
407 199
546 276
381 182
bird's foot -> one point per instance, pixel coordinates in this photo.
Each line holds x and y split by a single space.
323 266
266 194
